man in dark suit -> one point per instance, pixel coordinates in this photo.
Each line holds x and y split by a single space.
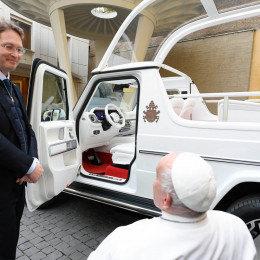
18 148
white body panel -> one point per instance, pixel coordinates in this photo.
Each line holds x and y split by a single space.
225 145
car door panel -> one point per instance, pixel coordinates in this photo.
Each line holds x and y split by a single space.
52 120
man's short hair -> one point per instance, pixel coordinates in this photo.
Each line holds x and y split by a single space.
177 205
10 25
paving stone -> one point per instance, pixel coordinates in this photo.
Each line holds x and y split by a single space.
54 241
24 257
43 233
61 246
74 242
26 232
68 251
31 251
53 256
36 240
32 226
42 245
38 256
85 238
50 227
48 250
56 230
18 253
64 258
76 256
78 234
31 236
25 246
22 240
70 229
49 237
80 247
60 234
87 251
22 227
101 238
38 229
45 223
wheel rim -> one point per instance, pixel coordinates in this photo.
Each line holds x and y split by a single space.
254 228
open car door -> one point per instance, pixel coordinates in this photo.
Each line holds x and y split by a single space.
50 113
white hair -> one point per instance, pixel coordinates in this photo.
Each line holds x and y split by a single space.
177 205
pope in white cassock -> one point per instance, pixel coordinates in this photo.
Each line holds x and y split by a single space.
184 189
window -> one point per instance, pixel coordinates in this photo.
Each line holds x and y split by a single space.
123 94
54 98
27 33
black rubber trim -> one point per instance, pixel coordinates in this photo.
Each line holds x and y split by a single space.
128 69
119 199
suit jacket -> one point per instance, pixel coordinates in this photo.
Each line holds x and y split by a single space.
14 163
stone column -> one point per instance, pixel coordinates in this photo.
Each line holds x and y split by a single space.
59 30
254 80
143 37
101 46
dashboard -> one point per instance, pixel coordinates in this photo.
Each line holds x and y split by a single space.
98 115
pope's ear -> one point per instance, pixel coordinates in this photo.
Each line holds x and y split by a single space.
167 202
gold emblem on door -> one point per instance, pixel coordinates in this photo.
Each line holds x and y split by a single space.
151 113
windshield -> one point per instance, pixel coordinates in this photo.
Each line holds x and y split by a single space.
148 30
152 26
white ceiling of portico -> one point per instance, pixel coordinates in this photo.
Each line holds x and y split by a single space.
33 9
80 22
78 18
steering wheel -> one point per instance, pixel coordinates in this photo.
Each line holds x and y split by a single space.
115 119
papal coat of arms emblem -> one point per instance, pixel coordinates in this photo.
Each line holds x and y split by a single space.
151 113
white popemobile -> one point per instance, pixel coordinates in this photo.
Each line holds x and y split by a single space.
129 116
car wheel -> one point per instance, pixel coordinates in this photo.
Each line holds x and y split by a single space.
248 209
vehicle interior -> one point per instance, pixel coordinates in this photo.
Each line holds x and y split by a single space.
225 106
107 130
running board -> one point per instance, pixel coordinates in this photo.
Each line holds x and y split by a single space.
114 198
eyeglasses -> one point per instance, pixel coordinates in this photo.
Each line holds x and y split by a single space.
10 48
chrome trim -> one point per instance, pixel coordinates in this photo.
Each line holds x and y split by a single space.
113 202
213 159
152 152
70 145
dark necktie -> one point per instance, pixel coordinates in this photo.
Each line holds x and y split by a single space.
8 84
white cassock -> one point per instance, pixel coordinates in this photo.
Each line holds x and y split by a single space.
216 235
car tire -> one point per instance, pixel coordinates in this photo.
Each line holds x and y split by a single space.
248 209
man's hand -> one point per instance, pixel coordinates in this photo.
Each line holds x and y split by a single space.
23 179
36 174
33 177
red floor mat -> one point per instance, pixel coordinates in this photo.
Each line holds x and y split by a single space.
105 158
105 168
116 172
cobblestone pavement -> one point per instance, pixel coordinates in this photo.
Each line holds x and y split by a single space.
70 228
